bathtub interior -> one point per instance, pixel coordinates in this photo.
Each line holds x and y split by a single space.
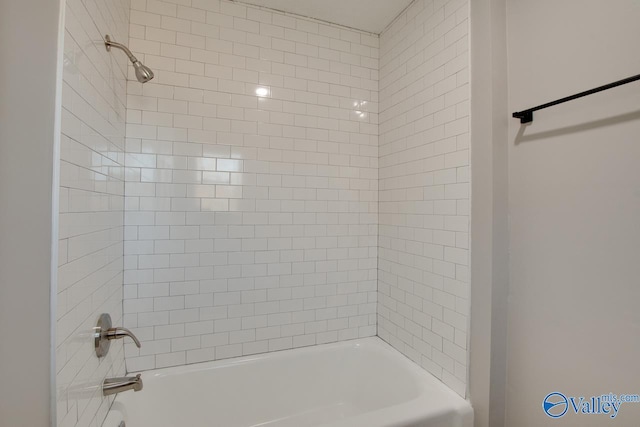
294 388
336 376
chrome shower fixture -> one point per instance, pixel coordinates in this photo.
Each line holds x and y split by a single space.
143 73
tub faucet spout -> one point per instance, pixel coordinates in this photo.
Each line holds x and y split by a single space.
116 385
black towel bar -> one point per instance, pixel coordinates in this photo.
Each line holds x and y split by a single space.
526 116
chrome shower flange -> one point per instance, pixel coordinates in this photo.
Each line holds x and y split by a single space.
101 343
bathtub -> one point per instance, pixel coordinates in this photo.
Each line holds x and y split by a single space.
360 383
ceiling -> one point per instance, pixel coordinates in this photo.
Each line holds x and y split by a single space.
367 15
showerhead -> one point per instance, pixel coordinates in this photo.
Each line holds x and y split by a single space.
143 73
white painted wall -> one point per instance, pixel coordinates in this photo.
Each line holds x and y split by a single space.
489 208
91 213
251 217
29 76
423 276
574 205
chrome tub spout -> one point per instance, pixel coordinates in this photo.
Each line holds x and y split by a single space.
116 385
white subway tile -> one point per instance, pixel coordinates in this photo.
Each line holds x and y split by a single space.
432 128
240 166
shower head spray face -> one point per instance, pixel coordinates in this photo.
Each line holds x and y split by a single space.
143 73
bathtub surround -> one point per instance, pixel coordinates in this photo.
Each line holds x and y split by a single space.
423 277
90 273
252 183
249 178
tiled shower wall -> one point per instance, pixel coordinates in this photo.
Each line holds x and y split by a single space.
423 274
90 269
252 183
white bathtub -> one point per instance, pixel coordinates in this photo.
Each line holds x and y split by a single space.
350 384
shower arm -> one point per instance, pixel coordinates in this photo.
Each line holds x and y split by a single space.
110 43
